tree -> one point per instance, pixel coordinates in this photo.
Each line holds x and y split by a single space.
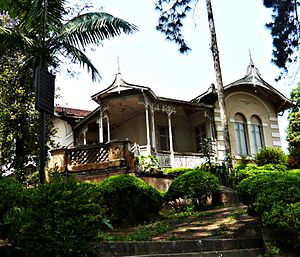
285 32
170 24
293 132
44 31
18 118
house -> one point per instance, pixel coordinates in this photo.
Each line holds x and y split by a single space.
173 130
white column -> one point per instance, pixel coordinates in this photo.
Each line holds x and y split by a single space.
84 131
148 129
153 127
100 125
171 140
108 128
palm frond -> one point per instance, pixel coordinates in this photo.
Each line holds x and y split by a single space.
48 12
11 39
77 55
94 27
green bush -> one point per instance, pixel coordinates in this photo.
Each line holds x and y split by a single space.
284 222
194 185
241 172
10 194
129 200
176 172
261 191
270 155
59 218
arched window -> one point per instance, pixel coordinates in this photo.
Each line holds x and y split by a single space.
240 134
256 134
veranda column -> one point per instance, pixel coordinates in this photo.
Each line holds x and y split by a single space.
170 110
148 130
171 140
153 126
108 127
146 102
100 125
84 130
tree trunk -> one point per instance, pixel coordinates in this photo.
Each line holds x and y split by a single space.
220 88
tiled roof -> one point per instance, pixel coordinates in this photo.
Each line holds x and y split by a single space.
71 111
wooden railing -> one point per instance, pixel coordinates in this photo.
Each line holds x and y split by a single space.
114 154
88 154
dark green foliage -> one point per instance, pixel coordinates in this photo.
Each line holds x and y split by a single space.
170 20
129 200
176 172
59 218
284 222
285 32
18 117
260 192
196 186
11 194
270 155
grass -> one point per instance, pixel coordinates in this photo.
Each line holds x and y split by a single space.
166 222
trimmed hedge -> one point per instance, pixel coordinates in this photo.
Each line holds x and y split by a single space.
176 172
60 218
241 171
129 200
284 222
195 185
260 192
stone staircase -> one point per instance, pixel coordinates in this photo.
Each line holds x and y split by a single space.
248 247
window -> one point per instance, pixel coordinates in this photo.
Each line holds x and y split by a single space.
200 133
240 134
256 134
163 134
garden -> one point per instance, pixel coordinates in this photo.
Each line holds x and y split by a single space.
66 217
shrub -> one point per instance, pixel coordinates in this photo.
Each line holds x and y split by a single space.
176 172
196 186
241 172
270 155
129 200
59 218
283 221
10 194
261 191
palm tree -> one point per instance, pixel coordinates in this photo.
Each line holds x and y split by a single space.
43 32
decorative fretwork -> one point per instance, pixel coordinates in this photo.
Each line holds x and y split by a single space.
88 154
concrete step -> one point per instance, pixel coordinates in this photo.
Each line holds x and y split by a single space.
254 252
169 248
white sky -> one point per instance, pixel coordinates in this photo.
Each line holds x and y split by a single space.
147 59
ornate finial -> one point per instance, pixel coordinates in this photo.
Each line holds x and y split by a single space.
251 61
251 67
118 62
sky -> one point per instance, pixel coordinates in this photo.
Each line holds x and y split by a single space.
147 59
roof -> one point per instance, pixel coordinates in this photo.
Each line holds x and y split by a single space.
252 79
71 112
119 85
